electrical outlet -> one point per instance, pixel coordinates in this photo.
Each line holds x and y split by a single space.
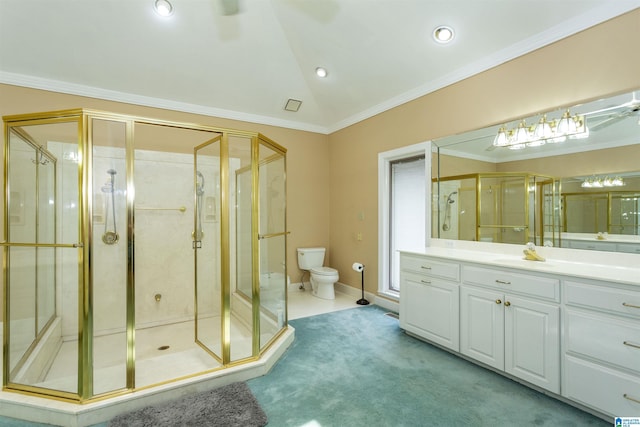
359 236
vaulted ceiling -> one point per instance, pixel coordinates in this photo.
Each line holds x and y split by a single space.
246 64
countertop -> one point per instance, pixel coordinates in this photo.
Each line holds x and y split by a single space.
623 269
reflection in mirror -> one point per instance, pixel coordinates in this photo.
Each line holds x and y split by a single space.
590 201
512 208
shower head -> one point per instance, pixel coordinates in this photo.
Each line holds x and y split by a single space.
199 183
449 199
109 186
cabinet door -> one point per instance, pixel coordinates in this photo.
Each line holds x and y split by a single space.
430 309
532 342
482 325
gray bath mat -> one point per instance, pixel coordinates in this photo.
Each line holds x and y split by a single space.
228 406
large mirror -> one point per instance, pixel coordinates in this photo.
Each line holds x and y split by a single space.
567 177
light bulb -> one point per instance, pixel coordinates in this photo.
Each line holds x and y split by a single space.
501 139
522 133
443 34
566 125
321 72
163 7
542 129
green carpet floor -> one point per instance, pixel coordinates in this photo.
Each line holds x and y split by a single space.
357 368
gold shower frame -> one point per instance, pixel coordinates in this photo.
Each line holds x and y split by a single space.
527 180
83 119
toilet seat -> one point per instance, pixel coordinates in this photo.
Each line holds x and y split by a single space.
323 271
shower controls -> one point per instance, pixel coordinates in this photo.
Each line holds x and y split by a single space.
198 233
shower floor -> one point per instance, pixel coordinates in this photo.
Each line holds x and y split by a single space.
21 406
163 353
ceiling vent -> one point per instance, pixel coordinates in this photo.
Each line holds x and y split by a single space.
293 105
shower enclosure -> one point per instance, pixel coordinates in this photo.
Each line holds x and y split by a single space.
497 207
137 251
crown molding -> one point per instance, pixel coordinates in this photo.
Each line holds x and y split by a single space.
33 82
590 18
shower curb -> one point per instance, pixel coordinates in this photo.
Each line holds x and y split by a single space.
47 411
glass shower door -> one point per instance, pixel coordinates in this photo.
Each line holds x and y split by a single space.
41 257
206 246
272 242
112 368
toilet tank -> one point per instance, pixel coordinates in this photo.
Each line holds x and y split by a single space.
310 257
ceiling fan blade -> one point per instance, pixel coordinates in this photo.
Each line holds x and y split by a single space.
230 7
610 121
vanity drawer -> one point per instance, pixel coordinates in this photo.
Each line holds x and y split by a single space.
607 390
632 248
593 245
430 267
541 287
610 300
600 337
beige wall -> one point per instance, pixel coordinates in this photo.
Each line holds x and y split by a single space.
307 158
597 62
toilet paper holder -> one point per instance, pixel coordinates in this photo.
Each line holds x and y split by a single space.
360 269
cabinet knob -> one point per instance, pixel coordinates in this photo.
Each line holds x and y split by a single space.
498 301
507 303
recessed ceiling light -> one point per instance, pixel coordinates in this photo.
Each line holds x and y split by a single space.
321 72
163 7
443 34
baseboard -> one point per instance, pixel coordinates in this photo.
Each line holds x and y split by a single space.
388 304
383 302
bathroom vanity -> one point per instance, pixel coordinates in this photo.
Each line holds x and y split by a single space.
569 327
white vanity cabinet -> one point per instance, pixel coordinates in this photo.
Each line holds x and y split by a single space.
631 248
570 328
510 321
602 346
429 302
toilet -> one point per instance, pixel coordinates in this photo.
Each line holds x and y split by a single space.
322 278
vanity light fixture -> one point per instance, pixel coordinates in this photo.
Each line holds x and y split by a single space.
599 182
522 135
321 72
502 139
443 34
163 8
544 132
